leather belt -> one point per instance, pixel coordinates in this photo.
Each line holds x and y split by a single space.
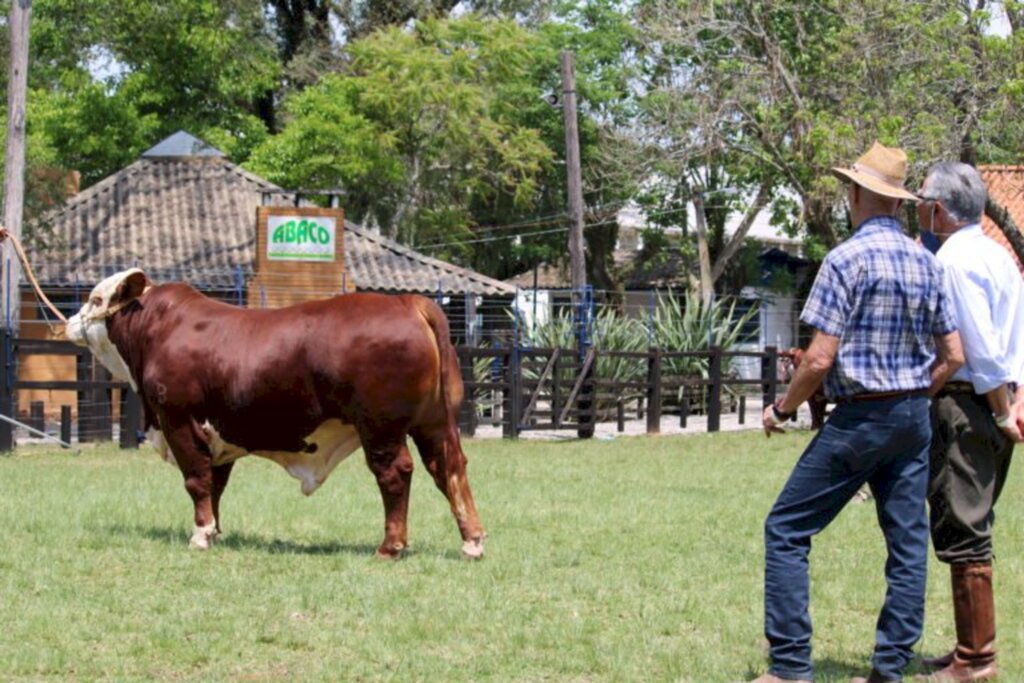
956 388
881 396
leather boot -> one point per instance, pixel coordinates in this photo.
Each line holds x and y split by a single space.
974 658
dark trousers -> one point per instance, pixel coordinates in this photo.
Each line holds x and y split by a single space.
970 458
884 443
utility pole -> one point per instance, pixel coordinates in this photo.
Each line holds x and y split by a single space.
14 163
14 199
572 166
577 257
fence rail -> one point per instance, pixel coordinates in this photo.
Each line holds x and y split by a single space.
518 389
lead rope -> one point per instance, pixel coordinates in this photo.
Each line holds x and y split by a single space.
57 331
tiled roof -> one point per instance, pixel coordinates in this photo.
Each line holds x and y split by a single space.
1006 186
194 219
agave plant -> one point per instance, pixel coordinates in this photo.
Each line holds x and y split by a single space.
687 323
677 324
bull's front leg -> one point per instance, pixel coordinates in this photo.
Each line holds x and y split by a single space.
392 465
192 454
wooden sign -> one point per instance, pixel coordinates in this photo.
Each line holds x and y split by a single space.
300 256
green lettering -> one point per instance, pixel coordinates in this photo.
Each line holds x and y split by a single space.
279 234
289 232
323 234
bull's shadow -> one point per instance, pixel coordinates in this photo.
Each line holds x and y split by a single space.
239 540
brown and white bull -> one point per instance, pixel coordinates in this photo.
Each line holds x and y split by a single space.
304 386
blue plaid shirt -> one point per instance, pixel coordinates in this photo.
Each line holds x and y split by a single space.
882 295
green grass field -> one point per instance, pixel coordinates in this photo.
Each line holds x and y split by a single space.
638 559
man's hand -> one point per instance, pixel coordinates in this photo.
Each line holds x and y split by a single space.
770 423
1016 421
3 233
1008 425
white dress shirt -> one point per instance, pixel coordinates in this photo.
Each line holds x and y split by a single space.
987 293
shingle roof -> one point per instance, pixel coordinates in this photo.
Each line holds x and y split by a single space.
1006 186
194 219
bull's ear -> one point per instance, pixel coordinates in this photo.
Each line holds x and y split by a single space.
132 286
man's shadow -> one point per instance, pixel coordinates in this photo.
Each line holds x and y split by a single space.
828 670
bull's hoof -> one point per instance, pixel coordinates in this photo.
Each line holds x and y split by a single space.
473 549
390 553
203 537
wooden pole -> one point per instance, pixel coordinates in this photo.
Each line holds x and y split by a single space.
715 395
572 165
14 160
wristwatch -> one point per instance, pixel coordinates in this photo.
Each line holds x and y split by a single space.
779 414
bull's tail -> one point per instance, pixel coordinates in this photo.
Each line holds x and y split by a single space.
451 477
450 377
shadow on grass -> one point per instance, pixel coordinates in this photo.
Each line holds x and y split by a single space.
235 540
829 670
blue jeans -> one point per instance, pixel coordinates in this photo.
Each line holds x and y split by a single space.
884 443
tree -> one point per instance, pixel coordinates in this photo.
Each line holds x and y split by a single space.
418 129
769 96
122 74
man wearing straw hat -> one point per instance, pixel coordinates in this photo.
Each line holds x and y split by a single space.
884 338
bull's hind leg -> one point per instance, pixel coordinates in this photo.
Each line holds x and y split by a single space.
442 454
391 464
220 473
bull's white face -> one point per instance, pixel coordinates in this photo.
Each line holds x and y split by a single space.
88 327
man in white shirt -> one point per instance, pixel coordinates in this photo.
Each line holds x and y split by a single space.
974 416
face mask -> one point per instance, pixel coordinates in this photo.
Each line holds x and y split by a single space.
930 241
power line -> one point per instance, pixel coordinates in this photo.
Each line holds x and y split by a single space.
499 238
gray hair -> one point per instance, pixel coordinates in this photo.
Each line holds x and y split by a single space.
960 189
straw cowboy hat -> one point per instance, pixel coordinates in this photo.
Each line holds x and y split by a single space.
883 170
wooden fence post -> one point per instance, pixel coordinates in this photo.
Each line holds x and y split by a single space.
769 375
586 403
715 397
556 390
131 418
8 370
65 424
467 416
83 373
654 391
37 419
513 404
103 404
